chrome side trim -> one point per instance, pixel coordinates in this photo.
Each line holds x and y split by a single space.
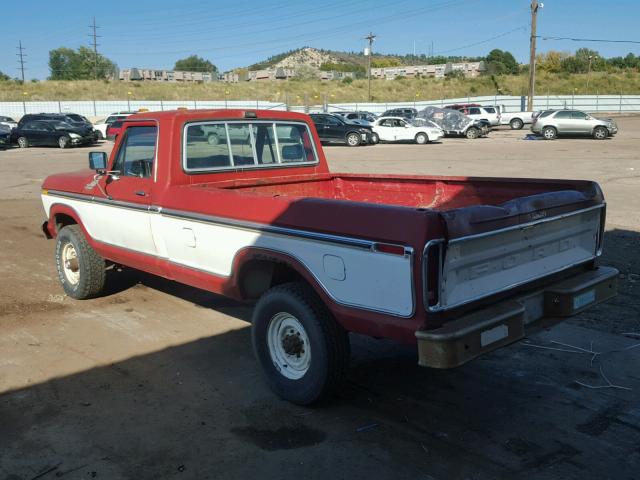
524 225
101 200
230 222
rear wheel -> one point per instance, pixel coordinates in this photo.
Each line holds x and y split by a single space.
600 133
472 133
63 142
303 352
23 142
421 138
375 138
516 124
549 133
353 139
213 139
80 269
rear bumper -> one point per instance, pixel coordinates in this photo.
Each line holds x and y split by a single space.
505 322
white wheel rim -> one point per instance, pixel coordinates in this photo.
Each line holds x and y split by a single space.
353 140
288 345
22 142
599 134
212 139
549 133
421 139
70 264
62 142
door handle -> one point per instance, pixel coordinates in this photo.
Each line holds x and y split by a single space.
140 193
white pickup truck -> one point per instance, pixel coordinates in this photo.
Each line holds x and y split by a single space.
516 120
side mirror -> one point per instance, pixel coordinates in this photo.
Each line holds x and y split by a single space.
97 161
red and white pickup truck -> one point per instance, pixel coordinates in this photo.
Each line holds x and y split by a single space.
242 203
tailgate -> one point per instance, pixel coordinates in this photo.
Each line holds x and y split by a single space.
474 266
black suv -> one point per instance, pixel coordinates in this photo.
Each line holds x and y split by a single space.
73 119
51 132
401 112
333 129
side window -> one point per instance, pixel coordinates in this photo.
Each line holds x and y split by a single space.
474 111
240 143
295 143
563 114
136 153
386 123
265 143
333 121
490 110
578 115
206 147
319 119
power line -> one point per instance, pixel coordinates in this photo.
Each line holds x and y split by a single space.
21 56
486 40
94 35
544 37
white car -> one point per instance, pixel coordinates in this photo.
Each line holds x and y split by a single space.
491 114
399 129
102 125
9 122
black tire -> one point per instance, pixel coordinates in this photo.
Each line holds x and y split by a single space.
23 142
64 141
516 124
100 135
353 139
422 138
472 133
375 138
549 133
600 133
89 266
328 344
213 139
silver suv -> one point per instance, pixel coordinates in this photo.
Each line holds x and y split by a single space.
552 123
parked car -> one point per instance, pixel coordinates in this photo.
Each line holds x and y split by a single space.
553 123
399 129
71 119
401 112
5 136
456 266
460 106
490 114
114 129
360 118
101 126
516 120
455 123
51 133
8 122
333 129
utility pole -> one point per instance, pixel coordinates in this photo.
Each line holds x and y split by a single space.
532 54
95 37
21 56
371 37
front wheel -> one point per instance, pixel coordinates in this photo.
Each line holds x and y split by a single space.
80 269
421 138
600 133
516 124
213 139
549 133
353 139
302 351
63 142
375 138
472 133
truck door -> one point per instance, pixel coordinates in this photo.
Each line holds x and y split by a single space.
123 219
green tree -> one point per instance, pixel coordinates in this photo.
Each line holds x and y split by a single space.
502 62
195 63
3 77
81 64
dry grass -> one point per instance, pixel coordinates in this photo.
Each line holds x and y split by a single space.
314 92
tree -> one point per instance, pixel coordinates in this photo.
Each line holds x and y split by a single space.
305 72
81 64
3 77
551 61
195 63
502 62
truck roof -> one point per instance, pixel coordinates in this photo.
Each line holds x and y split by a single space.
206 114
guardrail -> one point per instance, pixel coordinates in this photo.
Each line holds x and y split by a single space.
99 108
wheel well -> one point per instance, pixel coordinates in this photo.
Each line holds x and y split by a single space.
257 276
62 220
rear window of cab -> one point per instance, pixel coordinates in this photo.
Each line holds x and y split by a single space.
231 145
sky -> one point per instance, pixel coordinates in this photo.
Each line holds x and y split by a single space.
156 33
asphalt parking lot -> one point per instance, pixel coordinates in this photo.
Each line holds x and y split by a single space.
158 380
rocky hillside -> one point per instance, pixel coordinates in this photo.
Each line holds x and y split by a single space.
307 56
